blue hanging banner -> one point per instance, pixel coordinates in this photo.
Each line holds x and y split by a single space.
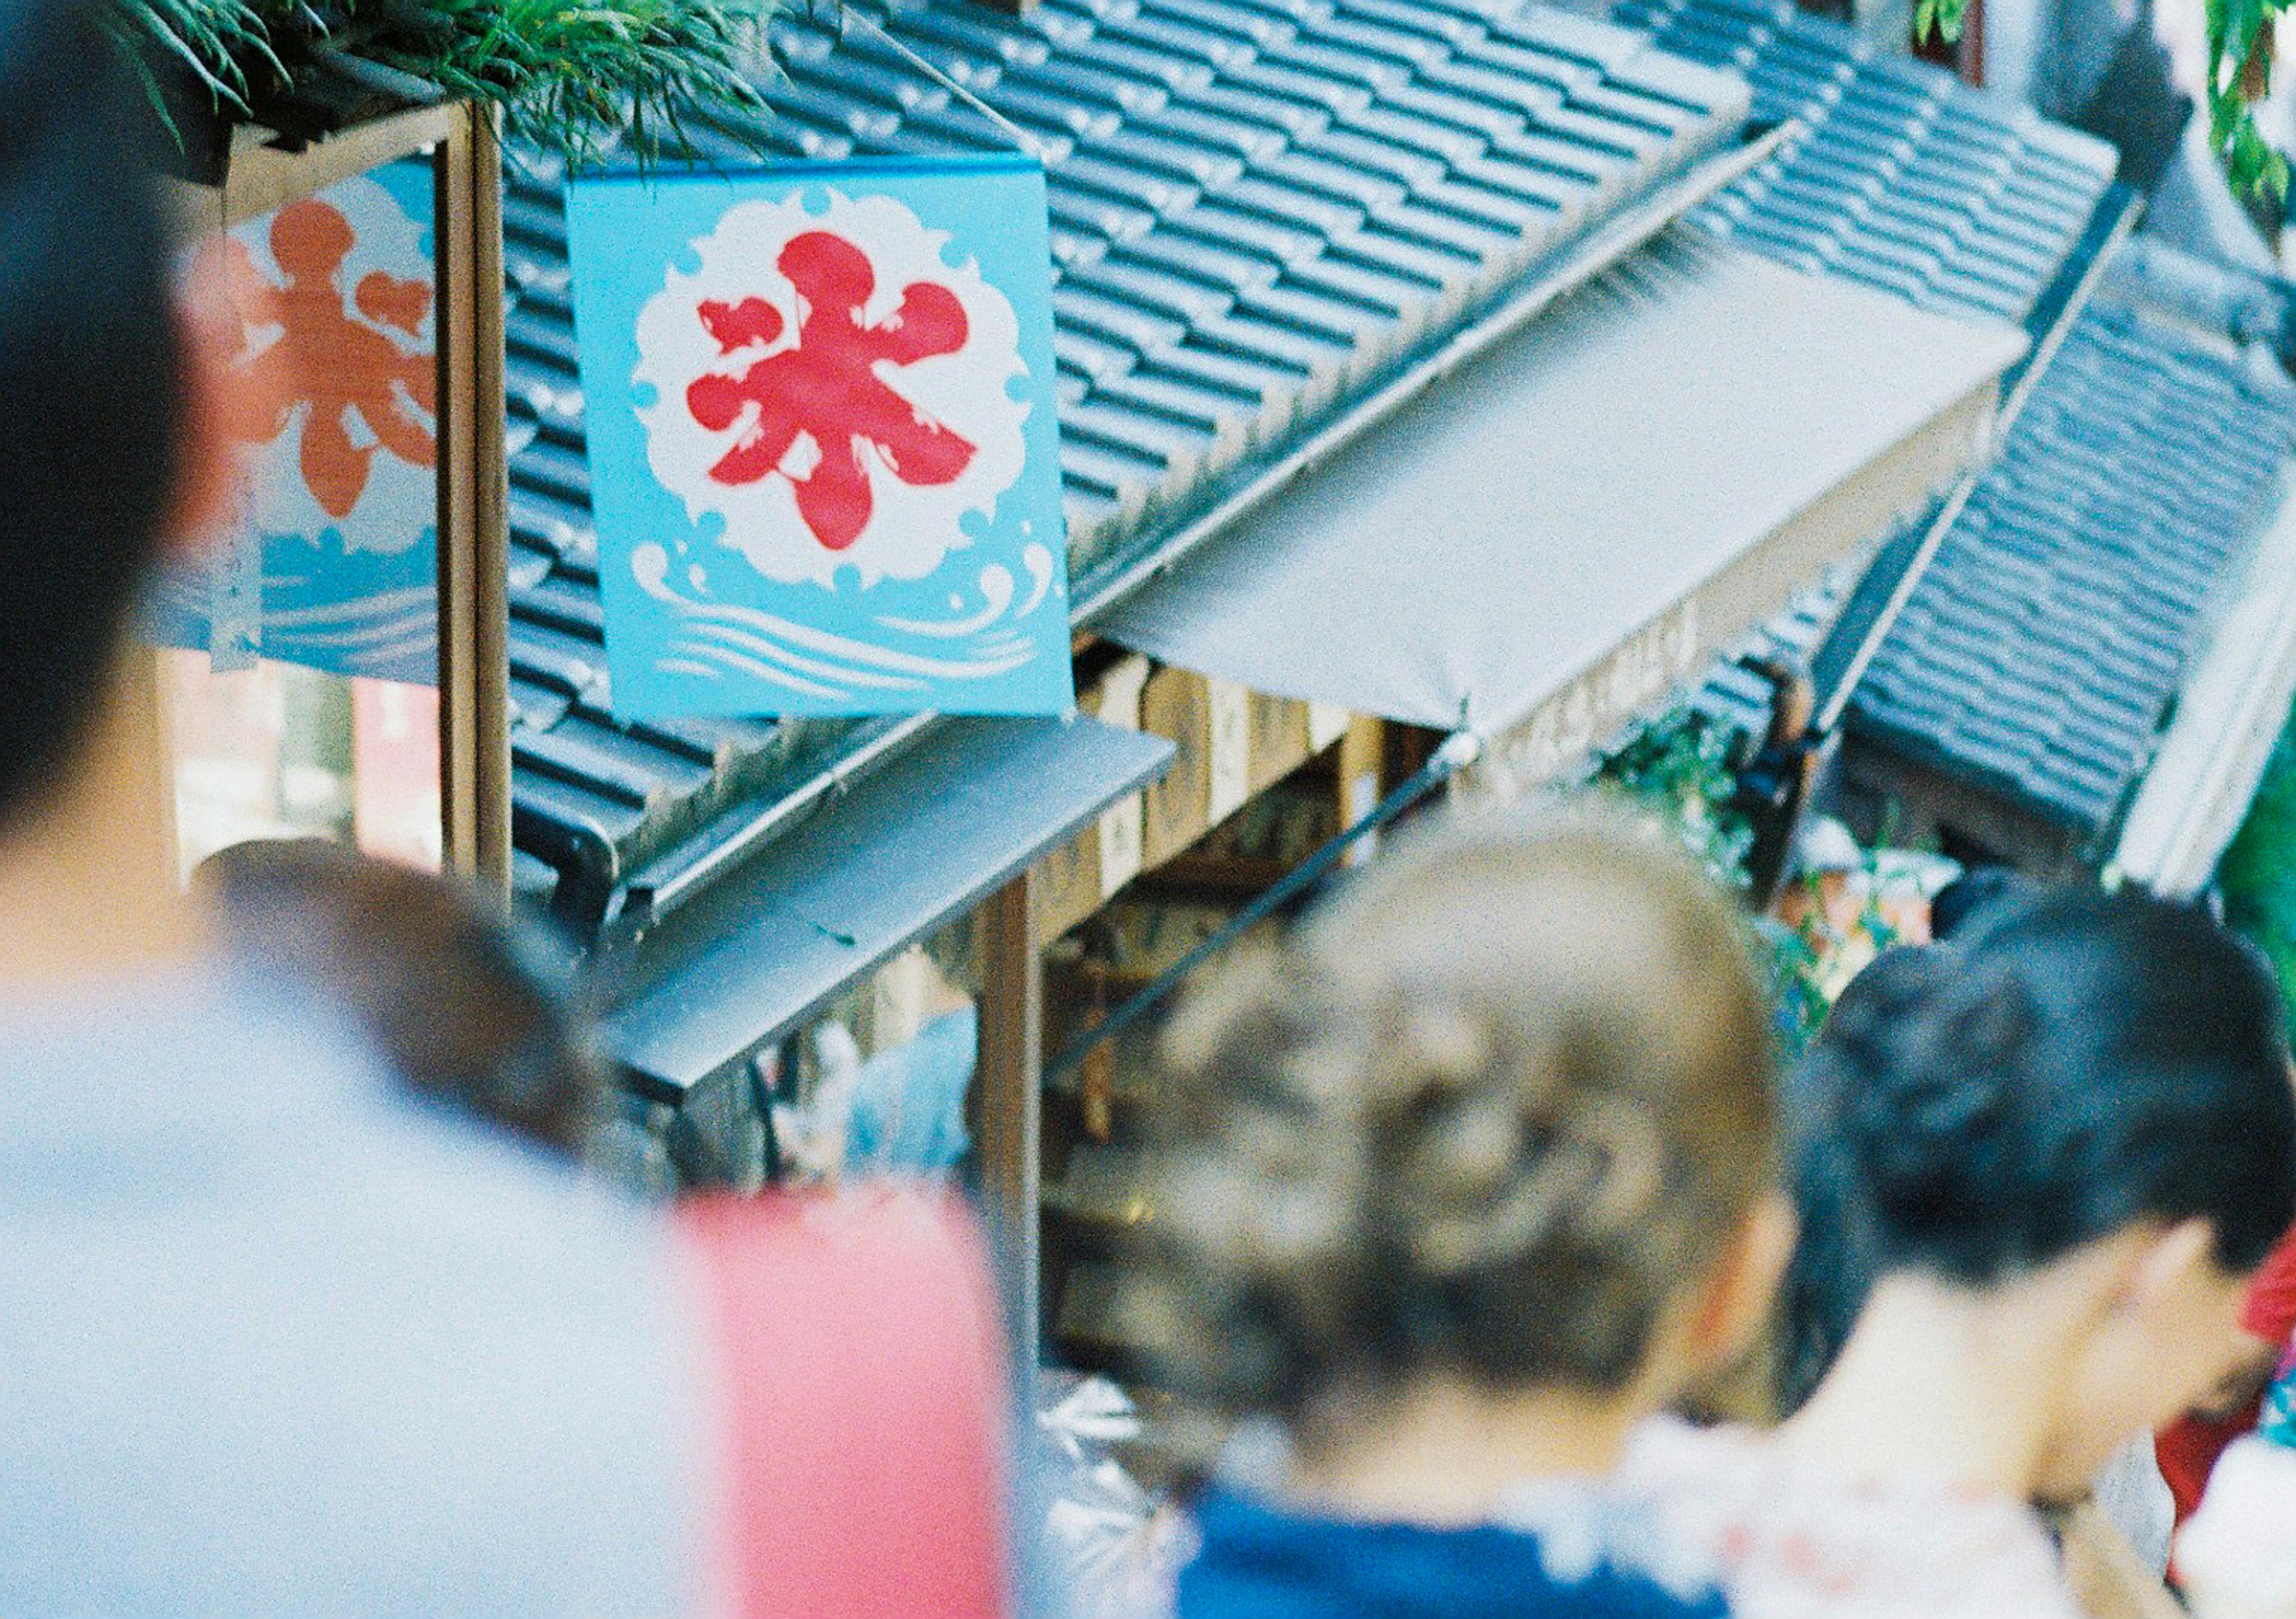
338 567
824 461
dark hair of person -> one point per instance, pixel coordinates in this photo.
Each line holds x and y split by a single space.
90 377
1832 1269
450 995
2090 1061
1967 899
1483 1117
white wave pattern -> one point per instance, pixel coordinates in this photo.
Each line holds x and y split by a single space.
392 636
826 666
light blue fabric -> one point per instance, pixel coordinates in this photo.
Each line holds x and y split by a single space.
278 1340
908 1103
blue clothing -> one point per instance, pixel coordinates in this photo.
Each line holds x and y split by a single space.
908 1103
278 1338
1260 1561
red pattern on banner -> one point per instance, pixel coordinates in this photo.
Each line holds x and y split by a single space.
826 386
337 356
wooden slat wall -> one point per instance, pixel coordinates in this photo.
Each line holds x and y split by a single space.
1232 744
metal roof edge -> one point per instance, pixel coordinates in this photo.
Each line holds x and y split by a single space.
2109 230
779 940
2110 226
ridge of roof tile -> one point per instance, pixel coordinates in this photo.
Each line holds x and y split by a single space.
1903 178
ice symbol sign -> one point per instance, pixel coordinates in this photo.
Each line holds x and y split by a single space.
825 386
820 407
832 388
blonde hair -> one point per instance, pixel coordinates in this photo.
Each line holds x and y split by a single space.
1485 1115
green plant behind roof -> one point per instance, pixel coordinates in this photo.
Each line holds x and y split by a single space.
2258 873
2240 76
572 75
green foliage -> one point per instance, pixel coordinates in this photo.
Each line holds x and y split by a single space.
2235 28
2258 873
1799 995
570 75
1940 17
1678 767
211 39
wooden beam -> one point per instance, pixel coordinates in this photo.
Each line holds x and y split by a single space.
262 178
1232 745
1361 780
1008 1103
474 507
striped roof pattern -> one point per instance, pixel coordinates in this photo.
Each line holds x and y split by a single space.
1903 178
1260 209
2040 653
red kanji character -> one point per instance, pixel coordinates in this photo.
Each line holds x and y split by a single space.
337 358
826 387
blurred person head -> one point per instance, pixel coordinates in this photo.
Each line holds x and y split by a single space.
1492 1133
93 390
116 392
2072 1147
1965 901
455 999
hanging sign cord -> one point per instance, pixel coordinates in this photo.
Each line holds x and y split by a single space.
1459 749
1020 137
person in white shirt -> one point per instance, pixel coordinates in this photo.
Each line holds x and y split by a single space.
2068 1142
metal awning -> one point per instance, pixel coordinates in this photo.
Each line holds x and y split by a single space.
1690 412
916 841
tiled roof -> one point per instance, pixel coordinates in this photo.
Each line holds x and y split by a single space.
1906 179
1260 208
1730 694
2039 652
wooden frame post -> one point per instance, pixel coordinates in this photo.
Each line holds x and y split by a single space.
473 463
1007 1104
474 507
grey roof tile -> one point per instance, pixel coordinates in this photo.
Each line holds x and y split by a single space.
1257 206
1906 178
2039 655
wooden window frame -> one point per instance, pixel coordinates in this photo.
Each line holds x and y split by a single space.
474 759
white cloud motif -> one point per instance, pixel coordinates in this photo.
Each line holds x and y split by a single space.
954 443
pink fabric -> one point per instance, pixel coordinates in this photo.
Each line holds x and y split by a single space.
861 1376
2270 1311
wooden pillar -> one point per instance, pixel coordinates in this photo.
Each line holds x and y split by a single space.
1008 1103
474 507
1362 780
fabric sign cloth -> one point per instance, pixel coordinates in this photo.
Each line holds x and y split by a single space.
824 456
336 295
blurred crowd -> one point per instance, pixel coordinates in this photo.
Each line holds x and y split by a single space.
1508 1273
